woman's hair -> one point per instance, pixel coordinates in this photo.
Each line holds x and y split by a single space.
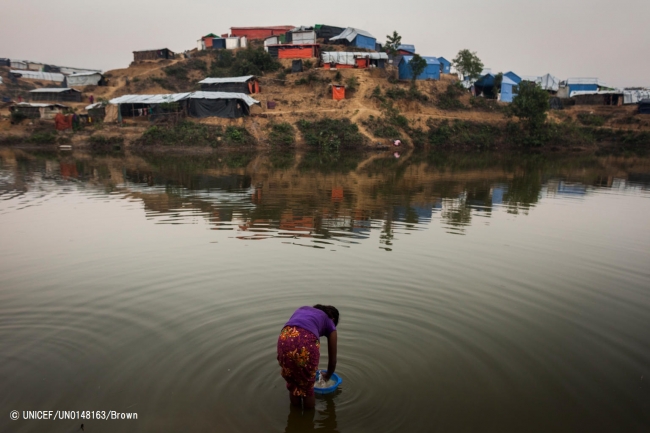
331 312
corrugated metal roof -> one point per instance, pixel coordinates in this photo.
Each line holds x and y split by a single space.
429 60
175 97
210 80
595 81
263 28
350 33
595 92
53 90
80 74
443 60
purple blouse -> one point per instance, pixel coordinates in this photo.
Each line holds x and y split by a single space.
313 320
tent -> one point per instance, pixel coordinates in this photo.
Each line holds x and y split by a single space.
301 35
549 82
431 71
356 38
445 64
247 84
644 106
634 96
85 79
584 84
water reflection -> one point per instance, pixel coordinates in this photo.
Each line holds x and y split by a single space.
319 200
321 419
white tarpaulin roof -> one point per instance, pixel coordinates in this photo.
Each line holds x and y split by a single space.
35 75
595 81
31 104
175 97
53 90
226 80
95 105
549 82
84 79
594 92
348 58
350 33
635 96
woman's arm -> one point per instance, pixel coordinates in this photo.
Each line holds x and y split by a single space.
331 355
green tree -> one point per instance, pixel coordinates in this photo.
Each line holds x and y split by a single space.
468 64
530 105
393 43
418 65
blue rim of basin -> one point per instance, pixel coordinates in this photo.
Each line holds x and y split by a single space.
329 389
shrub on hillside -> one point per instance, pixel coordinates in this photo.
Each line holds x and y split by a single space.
331 134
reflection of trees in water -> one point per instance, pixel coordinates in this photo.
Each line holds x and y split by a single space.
330 162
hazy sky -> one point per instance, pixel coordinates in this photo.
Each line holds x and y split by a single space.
568 38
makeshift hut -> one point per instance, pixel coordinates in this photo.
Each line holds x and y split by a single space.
196 104
549 83
355 38
247 84
406 50
345 59
508 87
40 76
644 106
599 97
96 111
232 42
634 96
85 79
55 94
218 43
206 41
338 92
18 64
486 85
38 111
326 32
431 71
271 40
583 85
254 33
5 62
294 51
159 54
301 35
445 65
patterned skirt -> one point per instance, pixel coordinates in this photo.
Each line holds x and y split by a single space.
298 355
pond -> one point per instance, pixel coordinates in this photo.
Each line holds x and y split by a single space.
478 292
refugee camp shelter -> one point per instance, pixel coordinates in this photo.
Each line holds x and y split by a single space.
355 38
196 104
301 35
18 64
549 83
644 106
338 92
247 84
445 65
514 77
271 40
584 84
55 94
598 97
206 41
294 51
431 71
254 33
96 111
5 62
326 32
40 76
634 96
38 111
345 59
233 42
85 79
406 49
159 54
508 87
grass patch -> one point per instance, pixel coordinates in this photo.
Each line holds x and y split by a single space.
331 134
450 99
484 104
282 134
462 133
589 119
182 134
98 141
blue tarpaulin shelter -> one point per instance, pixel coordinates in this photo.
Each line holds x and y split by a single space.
486 83
446 65
514 77
356 38
406 49
431 72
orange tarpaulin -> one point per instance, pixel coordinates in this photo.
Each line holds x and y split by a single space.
62 122
253 87
296 53
338 93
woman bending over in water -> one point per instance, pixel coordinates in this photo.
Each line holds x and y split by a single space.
299 350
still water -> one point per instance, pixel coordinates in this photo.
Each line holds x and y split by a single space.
478 293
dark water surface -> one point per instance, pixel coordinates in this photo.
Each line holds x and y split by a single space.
478 293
